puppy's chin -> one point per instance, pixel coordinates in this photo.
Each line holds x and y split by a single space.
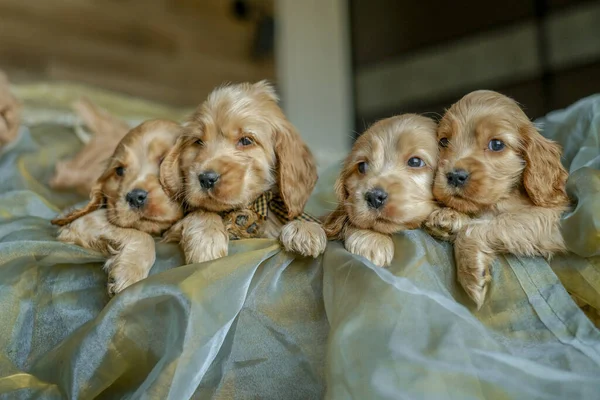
458 203
223 197
489 182
206 201
157 216
388 220
478 195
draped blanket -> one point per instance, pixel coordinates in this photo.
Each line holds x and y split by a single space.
265 324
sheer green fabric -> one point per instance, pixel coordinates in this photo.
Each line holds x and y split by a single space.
262 323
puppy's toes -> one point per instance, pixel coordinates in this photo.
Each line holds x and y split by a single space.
121 278
382 257
443 223
474 273
243 224
252 229
127 267
110 286
241 220
374 246
438 233
303 237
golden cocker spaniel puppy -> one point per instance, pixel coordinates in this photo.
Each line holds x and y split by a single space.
503 186
385 186
236 152
127 206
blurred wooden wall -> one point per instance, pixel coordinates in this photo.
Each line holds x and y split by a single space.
174 51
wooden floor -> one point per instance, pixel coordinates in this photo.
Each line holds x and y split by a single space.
174 51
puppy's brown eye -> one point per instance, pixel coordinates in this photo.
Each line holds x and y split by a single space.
245 141
415 162
120 171
362 167
199 142
496 145
444 142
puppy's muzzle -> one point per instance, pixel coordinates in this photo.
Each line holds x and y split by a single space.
457 178
137 198
376 198
208 179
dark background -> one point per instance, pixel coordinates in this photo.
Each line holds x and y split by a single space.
388 31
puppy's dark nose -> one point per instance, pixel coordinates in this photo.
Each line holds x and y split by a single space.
136 198
457 177
376 198
208 179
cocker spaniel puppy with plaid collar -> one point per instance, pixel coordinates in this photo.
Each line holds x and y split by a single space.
503 186
385 186
240 169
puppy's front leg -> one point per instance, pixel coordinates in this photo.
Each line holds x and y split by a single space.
202 237
134 256
374 246
473 266
533 232
306 238
130 253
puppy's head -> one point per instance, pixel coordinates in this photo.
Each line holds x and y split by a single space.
237 145
489 149
130 188
385 184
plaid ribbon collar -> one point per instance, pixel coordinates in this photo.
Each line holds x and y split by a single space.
269 202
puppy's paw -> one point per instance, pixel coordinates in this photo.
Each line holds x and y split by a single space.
203 237
473 268
444 223
244 224
207 249
207 245
122 274
174 233
130 260
306 238
374 246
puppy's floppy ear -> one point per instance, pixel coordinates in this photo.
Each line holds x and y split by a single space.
336 221
296 168
96 202
297 172
544 176
171 177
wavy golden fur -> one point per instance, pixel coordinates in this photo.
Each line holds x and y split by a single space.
503 185
385 186
127 205
237 145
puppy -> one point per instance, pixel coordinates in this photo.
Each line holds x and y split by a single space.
239 152
385 186
127 206
503 185
10 113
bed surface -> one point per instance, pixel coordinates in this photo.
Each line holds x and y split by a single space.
262 323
